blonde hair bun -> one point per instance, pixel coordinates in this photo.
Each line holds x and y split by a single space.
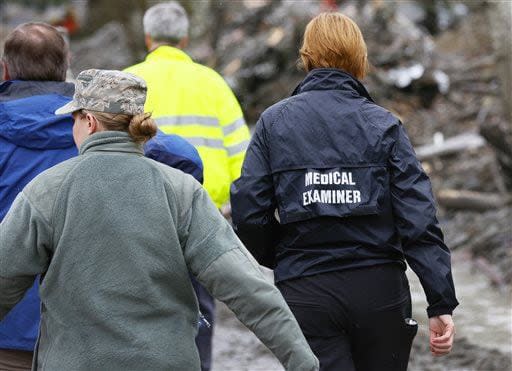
142 127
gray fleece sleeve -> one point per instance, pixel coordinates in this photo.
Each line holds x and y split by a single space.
24 240
223 265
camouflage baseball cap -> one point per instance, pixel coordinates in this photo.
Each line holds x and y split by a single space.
107 91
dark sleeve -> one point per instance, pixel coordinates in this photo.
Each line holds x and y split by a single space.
253 201
175 152
415 215
184 164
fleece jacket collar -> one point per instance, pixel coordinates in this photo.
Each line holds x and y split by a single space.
111 141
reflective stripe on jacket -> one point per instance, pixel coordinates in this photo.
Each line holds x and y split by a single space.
193 101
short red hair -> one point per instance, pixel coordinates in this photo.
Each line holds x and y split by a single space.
333 40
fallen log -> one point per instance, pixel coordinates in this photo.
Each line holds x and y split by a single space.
495 277
458 143
469 200
498 137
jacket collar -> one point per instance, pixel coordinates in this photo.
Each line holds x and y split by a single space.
111 141
170 53
331 79
18 89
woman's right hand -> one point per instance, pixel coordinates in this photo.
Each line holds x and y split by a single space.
442 332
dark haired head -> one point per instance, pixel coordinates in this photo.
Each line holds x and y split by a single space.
35 51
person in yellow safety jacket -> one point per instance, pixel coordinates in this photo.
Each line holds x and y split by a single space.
192 100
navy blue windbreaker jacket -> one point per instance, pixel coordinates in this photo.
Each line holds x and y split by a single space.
340 174
32 139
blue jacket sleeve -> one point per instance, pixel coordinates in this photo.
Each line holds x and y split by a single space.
176 152
253 201
415 216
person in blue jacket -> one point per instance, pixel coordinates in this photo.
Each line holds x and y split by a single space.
32 139
333 198
176 152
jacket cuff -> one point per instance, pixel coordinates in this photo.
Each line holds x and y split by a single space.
438 311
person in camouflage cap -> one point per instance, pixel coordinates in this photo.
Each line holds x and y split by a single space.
114 235
109 100
107 91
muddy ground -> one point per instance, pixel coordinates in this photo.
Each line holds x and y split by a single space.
237 349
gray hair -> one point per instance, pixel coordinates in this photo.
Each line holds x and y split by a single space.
166 22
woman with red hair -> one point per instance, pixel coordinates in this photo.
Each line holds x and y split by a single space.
333 198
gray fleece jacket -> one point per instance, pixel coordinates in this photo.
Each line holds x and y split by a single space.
113 235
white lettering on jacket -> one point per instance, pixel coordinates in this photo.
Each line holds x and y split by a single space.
336 177
330 196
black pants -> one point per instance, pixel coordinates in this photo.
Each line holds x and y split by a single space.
355 319
205 334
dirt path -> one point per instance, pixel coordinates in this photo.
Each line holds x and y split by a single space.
237 349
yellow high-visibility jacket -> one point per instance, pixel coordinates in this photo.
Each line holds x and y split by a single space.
194 101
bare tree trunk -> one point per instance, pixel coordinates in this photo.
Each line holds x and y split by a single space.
498 132
500 25
468 200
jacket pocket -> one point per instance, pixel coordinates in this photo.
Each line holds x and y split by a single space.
343 191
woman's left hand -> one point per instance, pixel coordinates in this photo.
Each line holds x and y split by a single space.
442 332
